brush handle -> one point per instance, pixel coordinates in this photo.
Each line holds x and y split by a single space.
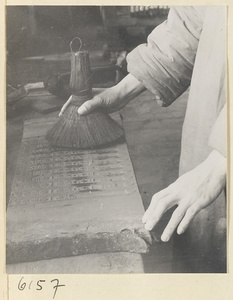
80 79
80 44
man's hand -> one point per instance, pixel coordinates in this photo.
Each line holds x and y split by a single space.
96 95
192 192
111 99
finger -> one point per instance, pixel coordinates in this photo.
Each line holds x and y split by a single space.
64 107
156 197
190 214
90 105
162 206
173 223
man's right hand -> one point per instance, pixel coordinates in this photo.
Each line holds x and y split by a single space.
112 99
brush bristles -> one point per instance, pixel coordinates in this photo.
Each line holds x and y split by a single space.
82 132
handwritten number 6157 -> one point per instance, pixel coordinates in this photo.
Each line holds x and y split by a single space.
39 286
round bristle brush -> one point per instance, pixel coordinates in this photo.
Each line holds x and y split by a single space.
82 131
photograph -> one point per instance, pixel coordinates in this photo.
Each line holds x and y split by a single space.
116 139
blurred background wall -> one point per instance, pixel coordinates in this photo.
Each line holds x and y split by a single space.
39 30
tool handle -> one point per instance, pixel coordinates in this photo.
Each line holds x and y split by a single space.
80 78
72 42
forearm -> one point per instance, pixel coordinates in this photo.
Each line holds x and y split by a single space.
128 88
216 163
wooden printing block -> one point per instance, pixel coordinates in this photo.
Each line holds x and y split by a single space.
67 202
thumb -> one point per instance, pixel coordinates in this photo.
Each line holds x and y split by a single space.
64 107
90 105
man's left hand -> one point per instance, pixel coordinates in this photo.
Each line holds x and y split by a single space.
192 192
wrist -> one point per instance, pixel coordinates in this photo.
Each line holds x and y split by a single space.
129 88
217 164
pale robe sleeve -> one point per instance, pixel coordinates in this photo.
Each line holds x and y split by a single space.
164 65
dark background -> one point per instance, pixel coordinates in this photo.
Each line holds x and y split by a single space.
44 30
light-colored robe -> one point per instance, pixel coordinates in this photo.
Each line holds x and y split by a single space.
189 49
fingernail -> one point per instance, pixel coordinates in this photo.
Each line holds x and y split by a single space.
148 227
82 110
180 230
164 238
